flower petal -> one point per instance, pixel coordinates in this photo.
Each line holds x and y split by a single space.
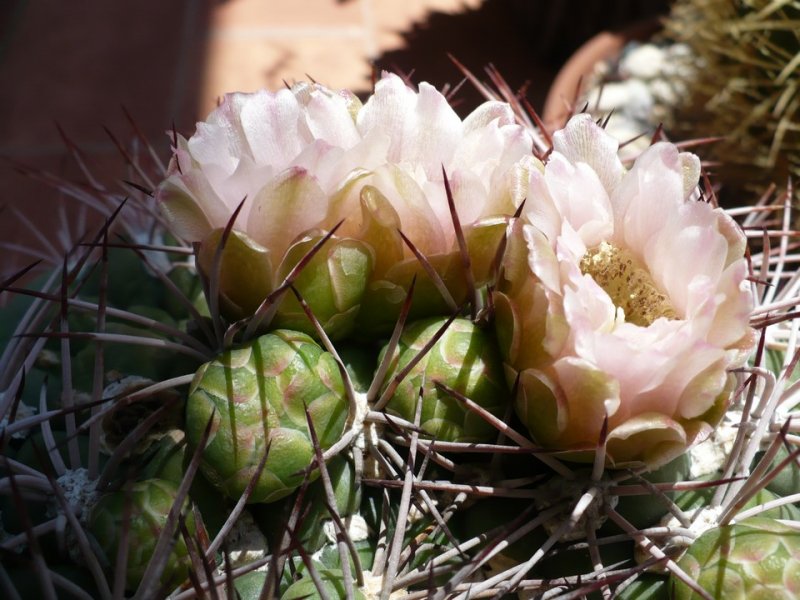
663 438
284 209
582 140
601 242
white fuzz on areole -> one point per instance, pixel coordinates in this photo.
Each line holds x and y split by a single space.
709 456
244 542
357 529
79 491
704 519
23 411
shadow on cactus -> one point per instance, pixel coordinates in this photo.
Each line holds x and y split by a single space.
388 352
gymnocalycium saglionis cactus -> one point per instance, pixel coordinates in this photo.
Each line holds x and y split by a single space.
748 53
375 350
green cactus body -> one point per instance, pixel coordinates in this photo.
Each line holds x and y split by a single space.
486 515
359 360
129 280
150 502
249 585
258 395
28 584
346 493
643 513
740 82
695 499
165 460
758 558
787 482
168 460
272 518
330 557
465 359
646 587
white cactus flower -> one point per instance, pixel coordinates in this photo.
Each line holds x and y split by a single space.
305 158
624 297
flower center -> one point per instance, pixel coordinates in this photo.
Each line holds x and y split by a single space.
628 285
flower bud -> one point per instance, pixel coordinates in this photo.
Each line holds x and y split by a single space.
464 359
757 558
245 271
147 503
332 283
257 397
301 161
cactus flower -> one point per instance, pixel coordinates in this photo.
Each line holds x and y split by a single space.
624 297
304 159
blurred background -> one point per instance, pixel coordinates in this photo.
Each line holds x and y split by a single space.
71 69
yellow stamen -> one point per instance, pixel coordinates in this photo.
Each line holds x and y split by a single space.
628 284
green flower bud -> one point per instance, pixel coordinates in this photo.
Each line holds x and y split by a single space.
258 396
245 272
465 359
757 558
149 503
332 283
396 266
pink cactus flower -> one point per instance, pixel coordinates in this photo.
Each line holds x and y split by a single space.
304 159
625 297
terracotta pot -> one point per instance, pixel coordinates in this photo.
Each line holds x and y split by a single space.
571 81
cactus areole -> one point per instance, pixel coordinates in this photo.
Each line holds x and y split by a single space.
257 397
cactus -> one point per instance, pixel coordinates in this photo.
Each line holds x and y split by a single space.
740 82
192 434
465 360
757 557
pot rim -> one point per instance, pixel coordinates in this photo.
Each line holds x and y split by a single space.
570 82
